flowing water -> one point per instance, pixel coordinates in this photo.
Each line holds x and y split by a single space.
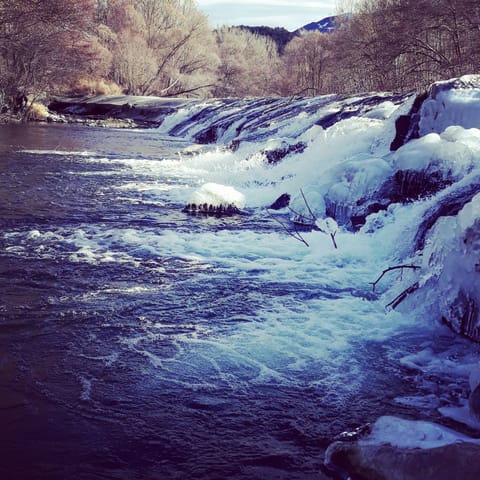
137 341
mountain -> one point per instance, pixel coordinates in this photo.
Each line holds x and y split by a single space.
326 25
282 36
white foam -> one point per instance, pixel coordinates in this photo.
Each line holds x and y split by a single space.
83 153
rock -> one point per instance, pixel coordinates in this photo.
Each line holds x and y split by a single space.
212 210
448 205
387 462
275 155
474 403
398 449
462 316
281 202
209 135
406 126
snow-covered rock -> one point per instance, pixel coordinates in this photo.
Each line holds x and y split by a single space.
399 449
212 198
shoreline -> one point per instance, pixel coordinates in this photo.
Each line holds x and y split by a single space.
120 111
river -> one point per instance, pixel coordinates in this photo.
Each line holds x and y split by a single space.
137 341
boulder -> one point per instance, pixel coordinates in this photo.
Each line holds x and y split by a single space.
398 449
387 462
281 202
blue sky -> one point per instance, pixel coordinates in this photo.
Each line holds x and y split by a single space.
289 14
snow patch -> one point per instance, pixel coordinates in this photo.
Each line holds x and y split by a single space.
403 433
218 195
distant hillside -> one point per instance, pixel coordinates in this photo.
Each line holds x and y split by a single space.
279 35
282 36
326 25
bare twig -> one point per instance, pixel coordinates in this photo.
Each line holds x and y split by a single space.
389 269
296 235
314 218
308 206
332 236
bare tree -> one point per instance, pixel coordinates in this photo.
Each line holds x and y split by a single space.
247 63
184 45
303 67
43 44
406 44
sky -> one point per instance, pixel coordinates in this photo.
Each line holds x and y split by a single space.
290 14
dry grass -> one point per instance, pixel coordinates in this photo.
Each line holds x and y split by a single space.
38 111
89 86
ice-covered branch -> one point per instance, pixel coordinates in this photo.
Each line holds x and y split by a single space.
400 298
389 269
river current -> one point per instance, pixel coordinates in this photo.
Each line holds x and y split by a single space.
138 342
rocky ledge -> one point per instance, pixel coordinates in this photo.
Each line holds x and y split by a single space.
125 111
398 449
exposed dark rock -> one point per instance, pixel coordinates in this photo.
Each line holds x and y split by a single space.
281 202
358 220
403 186
410 185
406 126
462 316
277 154
209 135
358 107
234 145
212 210
474 403
139 111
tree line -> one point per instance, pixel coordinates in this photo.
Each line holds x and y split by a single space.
168 48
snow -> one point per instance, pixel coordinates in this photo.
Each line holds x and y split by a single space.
403 433
454 152
217 195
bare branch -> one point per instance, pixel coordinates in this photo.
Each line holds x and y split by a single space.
400 298
332 236
296 235
389 269
308 206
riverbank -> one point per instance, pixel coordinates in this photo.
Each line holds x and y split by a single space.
122 111
115 111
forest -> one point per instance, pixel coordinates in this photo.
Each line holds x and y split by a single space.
168 48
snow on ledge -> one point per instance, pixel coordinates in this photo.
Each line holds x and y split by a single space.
403 433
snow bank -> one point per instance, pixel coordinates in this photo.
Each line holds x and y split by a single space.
454 152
